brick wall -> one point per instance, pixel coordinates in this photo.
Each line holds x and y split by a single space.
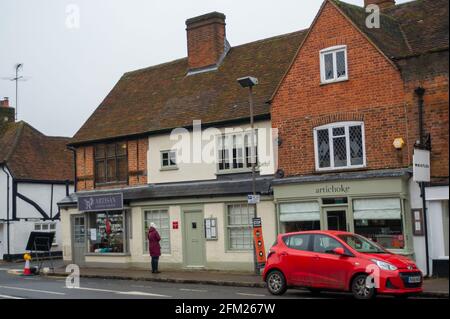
137 166
374 94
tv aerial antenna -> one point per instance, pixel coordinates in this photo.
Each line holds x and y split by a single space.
17 78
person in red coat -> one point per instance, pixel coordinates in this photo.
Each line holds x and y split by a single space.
154 247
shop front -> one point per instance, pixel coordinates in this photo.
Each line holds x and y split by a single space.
375 206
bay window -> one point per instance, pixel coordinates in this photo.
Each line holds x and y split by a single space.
339 146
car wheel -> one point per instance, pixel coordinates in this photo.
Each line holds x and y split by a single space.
276 283
360 289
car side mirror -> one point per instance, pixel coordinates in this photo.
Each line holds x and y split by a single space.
339 251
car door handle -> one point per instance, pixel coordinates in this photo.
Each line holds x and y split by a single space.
316 257
284 254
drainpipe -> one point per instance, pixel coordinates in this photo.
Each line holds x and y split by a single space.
420 92
7 210
75 179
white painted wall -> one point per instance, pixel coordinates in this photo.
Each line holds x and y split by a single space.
195 171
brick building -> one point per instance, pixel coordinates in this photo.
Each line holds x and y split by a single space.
350 93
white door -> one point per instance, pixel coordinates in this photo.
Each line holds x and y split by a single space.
2 242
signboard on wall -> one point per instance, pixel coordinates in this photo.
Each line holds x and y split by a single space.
96 203
421 166
259 241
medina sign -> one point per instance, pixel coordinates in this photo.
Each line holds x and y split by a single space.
95 203
421 166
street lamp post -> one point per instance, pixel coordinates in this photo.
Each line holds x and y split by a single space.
249 82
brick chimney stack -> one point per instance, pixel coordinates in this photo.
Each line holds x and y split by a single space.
206 40
383 4
7 113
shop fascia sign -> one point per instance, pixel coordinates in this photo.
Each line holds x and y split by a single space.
96 203
421 166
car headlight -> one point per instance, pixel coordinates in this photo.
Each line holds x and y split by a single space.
384 265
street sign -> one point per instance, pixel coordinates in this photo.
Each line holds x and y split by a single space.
254 199
421 166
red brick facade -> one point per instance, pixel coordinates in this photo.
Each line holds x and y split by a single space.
137 166
373 94
376 93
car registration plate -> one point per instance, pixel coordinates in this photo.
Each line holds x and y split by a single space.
414 279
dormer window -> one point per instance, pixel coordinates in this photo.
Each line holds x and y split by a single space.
339 146
333 64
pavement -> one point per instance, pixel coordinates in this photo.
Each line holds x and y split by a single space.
433 288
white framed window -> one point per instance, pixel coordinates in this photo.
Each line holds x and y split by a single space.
340 146
168 160
239 226
161 219
234 152
333 64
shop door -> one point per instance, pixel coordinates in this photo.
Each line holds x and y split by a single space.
78 239
195 250
336 220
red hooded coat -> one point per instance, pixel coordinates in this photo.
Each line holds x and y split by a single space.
153 239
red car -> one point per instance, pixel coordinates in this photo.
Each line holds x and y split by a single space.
339 261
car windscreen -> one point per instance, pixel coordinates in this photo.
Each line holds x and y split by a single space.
361 244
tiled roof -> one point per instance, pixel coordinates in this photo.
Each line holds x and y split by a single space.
163 97
30 155
407 29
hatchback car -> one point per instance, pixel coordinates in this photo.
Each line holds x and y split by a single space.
339 261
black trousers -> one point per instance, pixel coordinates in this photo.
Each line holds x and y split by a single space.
155 261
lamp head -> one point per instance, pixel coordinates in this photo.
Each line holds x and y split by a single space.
248 81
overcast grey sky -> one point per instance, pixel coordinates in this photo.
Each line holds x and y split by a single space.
70 70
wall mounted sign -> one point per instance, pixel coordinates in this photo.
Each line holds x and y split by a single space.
421 166
333 189
418 222
254 199
259 241
211 229
96 203
175 224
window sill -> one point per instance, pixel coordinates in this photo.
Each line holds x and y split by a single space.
236 171
111 184
340 169
165 169
108 254
322 83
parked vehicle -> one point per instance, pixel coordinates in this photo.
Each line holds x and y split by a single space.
339 261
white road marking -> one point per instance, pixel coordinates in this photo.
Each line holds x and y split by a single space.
133 293
9 297
250 295
33 290
193 290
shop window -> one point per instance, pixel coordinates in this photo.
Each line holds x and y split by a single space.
161 219
333 64
111 163
239 227
380 220
300 216
339 146
107 232
234 152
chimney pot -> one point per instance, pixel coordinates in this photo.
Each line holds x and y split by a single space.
4 102
383 4
206 40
